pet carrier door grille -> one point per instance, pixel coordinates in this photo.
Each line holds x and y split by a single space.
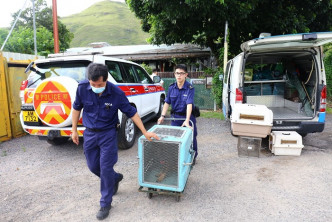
160 162
178 133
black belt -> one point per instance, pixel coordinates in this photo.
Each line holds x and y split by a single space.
96 130
180 114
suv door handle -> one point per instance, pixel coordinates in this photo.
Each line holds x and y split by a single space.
132 89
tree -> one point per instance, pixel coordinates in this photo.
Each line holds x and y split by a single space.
3 35
44 19
22 41
202 22
328 67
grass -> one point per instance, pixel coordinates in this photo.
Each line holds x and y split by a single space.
329 105
212 114
328 110
105 21
220 115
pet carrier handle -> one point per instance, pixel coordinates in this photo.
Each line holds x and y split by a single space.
192 160
192 123
172 118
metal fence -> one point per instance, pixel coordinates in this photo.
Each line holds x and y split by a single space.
203 96
190 74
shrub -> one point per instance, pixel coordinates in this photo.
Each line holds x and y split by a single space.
216 84
328 71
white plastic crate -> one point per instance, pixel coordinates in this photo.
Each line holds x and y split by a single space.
251 120
285 143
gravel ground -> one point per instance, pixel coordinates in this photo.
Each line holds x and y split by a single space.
41 182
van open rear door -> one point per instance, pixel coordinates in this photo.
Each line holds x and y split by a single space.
226 90
291 41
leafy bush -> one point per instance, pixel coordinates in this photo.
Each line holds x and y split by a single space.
328 69
216 84
147 68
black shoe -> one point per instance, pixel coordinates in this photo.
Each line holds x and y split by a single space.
194 162
103 212
116 186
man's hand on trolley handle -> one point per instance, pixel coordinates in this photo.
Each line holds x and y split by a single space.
150 135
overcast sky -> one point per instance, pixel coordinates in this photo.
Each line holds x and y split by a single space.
65 8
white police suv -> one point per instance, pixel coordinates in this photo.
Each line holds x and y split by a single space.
49 91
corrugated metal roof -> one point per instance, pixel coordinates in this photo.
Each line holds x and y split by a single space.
19 56
148 52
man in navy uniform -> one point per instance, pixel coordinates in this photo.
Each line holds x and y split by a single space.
181 97
101 101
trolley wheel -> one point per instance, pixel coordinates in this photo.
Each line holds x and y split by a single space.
150 195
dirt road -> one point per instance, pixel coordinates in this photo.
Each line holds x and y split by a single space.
41 182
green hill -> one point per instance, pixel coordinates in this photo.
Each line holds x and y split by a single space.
106 21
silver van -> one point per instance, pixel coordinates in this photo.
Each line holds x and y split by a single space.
286 73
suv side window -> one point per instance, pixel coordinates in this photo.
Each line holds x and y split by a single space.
130 73
143 77
114 70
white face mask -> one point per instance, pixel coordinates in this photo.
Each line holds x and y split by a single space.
97 90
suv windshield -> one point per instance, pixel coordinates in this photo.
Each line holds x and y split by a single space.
75 70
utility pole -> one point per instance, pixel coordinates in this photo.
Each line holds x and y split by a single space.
11 30
55 27
34 27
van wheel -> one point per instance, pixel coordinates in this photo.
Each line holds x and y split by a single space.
127 133
303 134
58 140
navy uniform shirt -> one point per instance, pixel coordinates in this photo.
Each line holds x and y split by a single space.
179 98
101 112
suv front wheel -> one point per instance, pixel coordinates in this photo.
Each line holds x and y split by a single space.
161 106
126 133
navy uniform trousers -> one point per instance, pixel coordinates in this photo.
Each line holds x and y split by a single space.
101 152
180 122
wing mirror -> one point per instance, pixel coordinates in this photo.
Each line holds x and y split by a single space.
156 79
